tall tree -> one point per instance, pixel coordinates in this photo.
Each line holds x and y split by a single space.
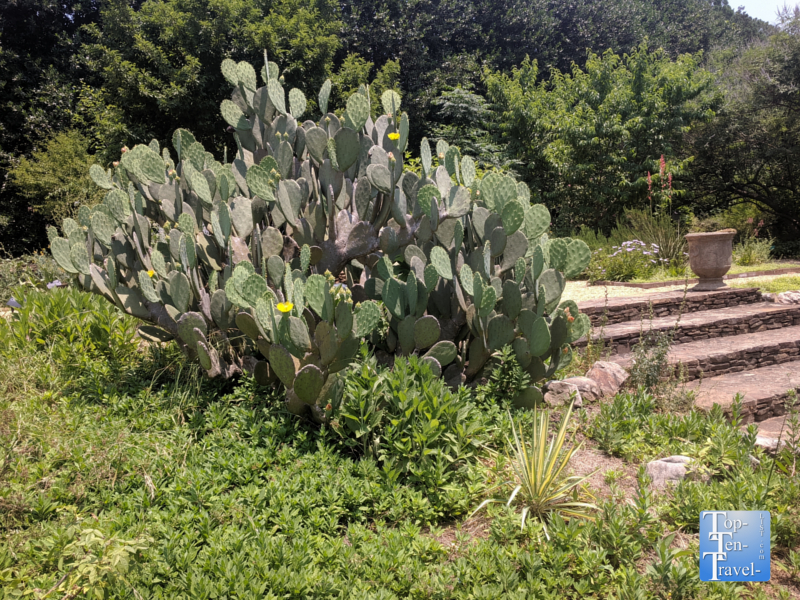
39 84
160 62
751 152
587 139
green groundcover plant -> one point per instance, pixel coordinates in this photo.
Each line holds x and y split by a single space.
282 261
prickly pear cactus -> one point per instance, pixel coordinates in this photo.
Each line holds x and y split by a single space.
284 260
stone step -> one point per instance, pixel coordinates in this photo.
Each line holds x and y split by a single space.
764 391
714 357
635 308
694 326
773 433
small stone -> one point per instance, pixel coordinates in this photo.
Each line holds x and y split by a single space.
559 393
588 388
668 471
608 376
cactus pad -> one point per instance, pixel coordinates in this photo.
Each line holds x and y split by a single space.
79 258
234 116
189 325
577 259
276 95
358 111
367 317
308 383
324 96
513 216
444 352
283 364
537 221
500 332
253 288
405 335
298 334
441 262
391 102
426 332
425 156
380 177
297 103
434 365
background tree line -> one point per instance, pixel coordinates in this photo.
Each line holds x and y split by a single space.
581 98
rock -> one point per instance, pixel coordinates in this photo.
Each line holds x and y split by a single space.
668 471
788 298
767 444
588 388
608 376
559 393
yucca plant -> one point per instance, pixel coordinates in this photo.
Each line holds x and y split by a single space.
540 483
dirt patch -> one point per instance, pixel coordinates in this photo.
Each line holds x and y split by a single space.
590 459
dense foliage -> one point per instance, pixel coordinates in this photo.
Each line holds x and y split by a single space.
751 152
123 471
124 73
589 139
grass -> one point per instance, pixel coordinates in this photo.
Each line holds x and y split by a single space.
124 474
663 275
774 285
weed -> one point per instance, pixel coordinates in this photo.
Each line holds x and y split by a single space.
506 379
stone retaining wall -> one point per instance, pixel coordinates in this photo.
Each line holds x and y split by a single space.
742 360
622 343
621 310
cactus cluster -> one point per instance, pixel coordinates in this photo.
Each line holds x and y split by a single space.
282 261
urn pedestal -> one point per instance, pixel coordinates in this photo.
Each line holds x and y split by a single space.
710 257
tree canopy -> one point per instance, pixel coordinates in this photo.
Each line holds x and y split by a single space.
587 139
122 72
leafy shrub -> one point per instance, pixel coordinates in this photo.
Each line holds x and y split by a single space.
56 179
631 260
650 360
507 380
752 251
408 420
631 426
70 325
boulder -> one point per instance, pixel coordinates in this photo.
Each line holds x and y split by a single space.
559 393
668 471
588 388
788 298
608 376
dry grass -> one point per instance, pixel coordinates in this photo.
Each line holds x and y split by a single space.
581 290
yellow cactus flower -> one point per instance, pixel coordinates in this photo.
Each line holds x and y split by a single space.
150 273
285 307
394 136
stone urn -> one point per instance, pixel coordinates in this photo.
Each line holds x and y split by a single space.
710 256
